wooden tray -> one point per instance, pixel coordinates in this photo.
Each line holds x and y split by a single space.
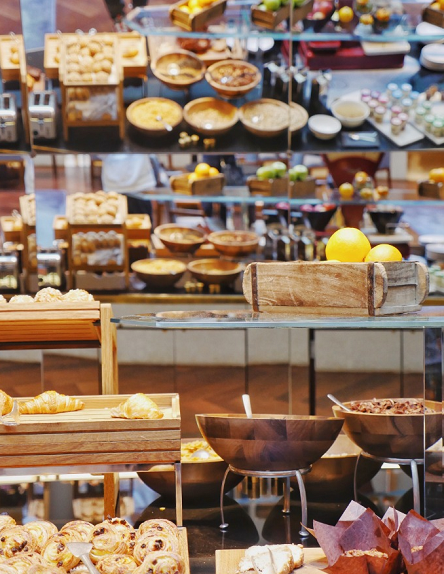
349 289
270 20
198 21
435 17
92 437
10 70
141 232
10 228
431 189
135 66
227 561
206 186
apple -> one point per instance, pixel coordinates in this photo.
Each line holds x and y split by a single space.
280 168
301 172
266 172
319 207
297 3
272 5
262 7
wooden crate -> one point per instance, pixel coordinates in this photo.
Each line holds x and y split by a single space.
11 228
349 289
206 186
270 20
198 21
435 17
227 561
431 189
268 187
133 66
11 70
142 231
60 226
306 188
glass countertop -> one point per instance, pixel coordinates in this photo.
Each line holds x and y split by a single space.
429 317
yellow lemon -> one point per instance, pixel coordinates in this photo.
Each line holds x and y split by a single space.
348 245
346 190
384 252
192 177
345 14
213 171
202 170
194 4
185 8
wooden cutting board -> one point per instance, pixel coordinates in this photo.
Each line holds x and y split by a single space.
227 561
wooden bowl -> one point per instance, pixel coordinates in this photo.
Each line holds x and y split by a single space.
269 442
150 271
195 116
201 481
179 70
252 115
215 271
234 243
226 89
157 128
332 475
179 239
298 117
392 436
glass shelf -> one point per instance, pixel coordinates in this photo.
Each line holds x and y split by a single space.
429 317
236 23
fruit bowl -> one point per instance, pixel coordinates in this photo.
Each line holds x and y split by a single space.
268 442
385 217
233 78
159 272
392 435
179 239
234 243
319 215
179 70
215 271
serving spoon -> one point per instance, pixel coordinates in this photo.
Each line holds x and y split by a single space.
168 128
338 402
12 418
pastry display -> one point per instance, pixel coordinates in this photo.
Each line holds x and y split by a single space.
97 248
98 207
51 295
116 564
91 104
50 402
6 404
90 60
138 406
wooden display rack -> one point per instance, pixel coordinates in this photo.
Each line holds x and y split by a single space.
16 72
28 228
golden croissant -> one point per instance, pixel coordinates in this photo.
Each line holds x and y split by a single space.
138 406
50 402
6 403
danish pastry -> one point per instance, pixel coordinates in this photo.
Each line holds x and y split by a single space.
40 531
56 551
80 528
138 406
43 569
151 542
22 563
6 521
14 540
160 525
126 531
6 404
161 563
50 402
116 564
106 539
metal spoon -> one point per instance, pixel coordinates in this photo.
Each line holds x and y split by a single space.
338 402
81 550
165 125
363 137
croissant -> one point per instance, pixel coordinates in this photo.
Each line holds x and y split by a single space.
138 406
50 402
5 403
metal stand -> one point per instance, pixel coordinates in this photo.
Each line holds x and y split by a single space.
178 482
412 462
286 474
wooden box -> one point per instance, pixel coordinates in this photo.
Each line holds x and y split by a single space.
346 289
435 17
203 186
198 21
306 188
431 189
268 187
60 226
12 47
138 226
133 55
271 20
11 228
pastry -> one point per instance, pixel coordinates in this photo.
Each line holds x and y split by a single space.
44 569
21 300
116 564
6 521
50 402
22 563
138 406
78 295
160 525
14 540
6 404
154 542
272 559
126 531
48 295
161 563
106 539
79 528
56 552
40 531
7 568
2 300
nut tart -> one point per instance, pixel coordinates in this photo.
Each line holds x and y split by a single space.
116 564
160 525
154 542
161 563
14 540
40 531
79 528
106 539
56 551
138 406
6 404
50 402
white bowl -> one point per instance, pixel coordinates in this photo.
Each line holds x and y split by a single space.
351 113
324 127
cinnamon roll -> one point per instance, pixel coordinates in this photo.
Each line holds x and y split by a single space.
40 531
6 521
14 540
106 539
79 528
161 563
56 551
116 564
160 525
154 542
126 531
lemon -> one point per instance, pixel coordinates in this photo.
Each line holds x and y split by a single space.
213 171
348 245
345 14
346 190
192 177
185 8
384 252
202 169
193 4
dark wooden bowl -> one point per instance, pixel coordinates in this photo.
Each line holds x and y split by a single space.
215 271
234 243
332 475
269 442
179 239
392 436
144 269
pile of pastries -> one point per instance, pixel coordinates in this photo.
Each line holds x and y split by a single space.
50 295
89 59
99 207
101 248
117 548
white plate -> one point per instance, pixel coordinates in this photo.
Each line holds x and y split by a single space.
432 57
432 238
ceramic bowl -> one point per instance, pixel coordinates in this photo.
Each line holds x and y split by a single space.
350 113
324 127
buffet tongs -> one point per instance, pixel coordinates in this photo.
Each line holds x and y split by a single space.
11 419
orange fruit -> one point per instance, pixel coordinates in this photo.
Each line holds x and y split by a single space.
384 252
437 175
346 190
345 14
202 170
213 171
348 245
435 6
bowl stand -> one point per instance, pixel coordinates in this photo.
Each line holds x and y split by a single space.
412 462
287 474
